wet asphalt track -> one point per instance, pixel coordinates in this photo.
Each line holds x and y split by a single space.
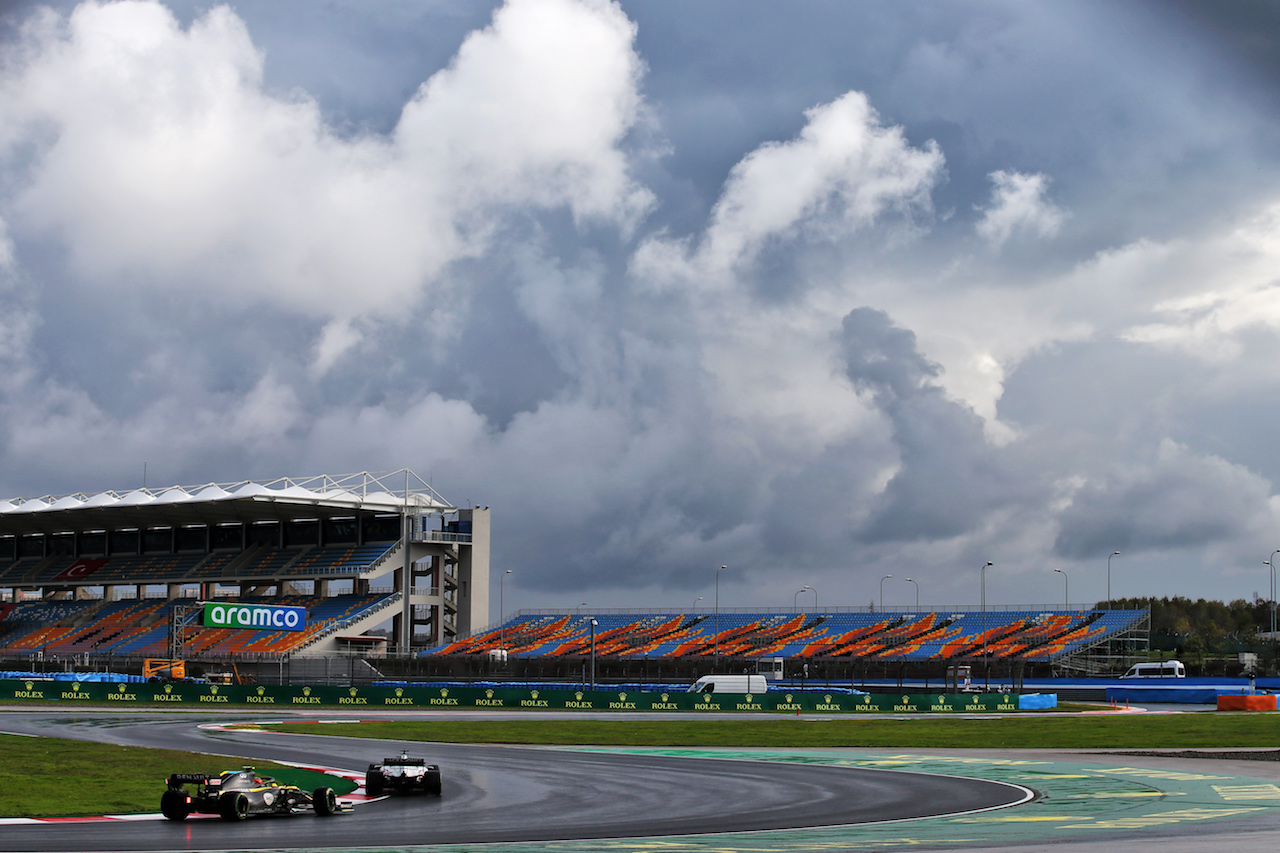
496 794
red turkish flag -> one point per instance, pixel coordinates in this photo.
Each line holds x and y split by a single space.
79 570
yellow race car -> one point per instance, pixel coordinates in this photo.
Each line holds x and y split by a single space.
236 794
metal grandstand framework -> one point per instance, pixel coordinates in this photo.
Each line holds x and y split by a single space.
259 538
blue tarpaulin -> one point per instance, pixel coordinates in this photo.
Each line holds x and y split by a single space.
1189 695
114 677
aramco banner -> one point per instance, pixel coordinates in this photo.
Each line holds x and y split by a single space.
255 617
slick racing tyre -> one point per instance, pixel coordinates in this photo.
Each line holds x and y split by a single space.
373 784
233 805
432 783
174 805
324 801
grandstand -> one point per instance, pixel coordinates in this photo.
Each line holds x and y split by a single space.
1046 636
114 577
109 575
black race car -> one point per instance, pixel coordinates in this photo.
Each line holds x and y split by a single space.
403 774
236 794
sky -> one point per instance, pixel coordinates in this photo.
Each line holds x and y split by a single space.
832 294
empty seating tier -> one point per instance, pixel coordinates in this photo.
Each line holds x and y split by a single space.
140 627
878 636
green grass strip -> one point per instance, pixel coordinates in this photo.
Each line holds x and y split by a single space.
48 777
51 777
1172 731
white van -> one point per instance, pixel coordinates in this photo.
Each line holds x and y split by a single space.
1166 669
730 684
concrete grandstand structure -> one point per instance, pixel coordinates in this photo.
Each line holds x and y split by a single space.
118 575
109 574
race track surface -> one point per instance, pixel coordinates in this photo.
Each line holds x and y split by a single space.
622 800
503 794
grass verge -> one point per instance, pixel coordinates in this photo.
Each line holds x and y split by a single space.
50 777
1175 731
47 777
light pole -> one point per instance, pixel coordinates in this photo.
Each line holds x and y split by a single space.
1272 564
1113 554
882 580
718 571
695 604
917 586
1272 603
804 588
502 616
815 598
986 662
593 624
1066 590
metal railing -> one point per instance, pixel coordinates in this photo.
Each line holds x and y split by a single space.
824 609
440 536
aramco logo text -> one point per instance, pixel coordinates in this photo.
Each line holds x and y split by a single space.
260 616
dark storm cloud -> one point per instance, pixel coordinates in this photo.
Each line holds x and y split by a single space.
948 475
883 358
830 290
1245 34
1177 501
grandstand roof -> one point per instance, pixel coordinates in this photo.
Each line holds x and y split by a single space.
322 496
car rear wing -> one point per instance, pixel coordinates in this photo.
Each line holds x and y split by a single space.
176 779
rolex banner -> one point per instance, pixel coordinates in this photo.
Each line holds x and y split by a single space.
515 699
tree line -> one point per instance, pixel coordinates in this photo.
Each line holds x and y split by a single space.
1202 626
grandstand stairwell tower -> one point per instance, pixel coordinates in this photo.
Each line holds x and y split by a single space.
443 579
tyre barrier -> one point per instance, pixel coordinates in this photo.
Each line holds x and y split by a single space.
440 698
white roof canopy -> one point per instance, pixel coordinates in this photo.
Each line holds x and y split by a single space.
246 501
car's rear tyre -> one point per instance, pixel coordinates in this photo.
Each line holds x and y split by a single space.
174 805
432 783
233 805
324 801
374 783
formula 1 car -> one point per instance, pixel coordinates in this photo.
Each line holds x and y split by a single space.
403 775
236 794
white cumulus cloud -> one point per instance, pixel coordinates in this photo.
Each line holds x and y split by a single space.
1018 205
155 154
844 170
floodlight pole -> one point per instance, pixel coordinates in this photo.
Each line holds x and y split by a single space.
1272 564
917 586
1110 648
502 616
717 652
986 661
592 625
1112 554
796 597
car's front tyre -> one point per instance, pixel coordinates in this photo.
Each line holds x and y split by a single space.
324 801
